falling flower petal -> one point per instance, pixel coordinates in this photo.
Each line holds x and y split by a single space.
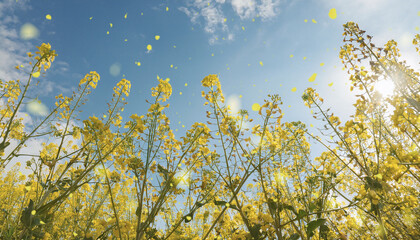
157 37
261 63
48 17
314 21
294 89
312 78
333 13
36 74
125 16
149 47
330 84
321 64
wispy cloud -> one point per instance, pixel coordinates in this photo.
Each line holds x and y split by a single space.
244 8
211 15
15 38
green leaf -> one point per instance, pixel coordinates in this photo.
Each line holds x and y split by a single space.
3 145
26 214
301 214
218 203
272 205
138 211
312 225
294 236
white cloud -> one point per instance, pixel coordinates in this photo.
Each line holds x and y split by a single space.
210 14
244 8
268 8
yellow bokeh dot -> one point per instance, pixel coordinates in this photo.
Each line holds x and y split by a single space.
256 107
125 16
291 55
306 20
110 25
90 18
149 47
48 17
333 13
261 63
294 89
186 84
240 96
312 78
107 32
418 13
304 58
314 21
321 64
311 125
330 84
180 93
167 9
417 28
157 37
243 28
172 65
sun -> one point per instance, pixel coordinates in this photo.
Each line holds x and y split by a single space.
385 87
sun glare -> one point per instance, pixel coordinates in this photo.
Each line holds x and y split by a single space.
385 88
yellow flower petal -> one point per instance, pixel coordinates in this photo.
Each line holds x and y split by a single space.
321 64
33 212
36 74
314 21
157 37
312 78
291 55
261 63
149 47
125 16
294 89
330 84
333 13
48 17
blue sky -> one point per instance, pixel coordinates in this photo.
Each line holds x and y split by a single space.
199 37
